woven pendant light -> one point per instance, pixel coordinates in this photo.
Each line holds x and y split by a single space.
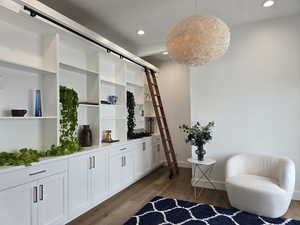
198 40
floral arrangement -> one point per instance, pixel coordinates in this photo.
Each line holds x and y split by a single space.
198 135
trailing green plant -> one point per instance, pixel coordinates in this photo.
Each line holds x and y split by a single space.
130 118
69 116
68 141
24 156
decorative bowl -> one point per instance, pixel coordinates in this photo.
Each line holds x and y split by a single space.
113 99
18 112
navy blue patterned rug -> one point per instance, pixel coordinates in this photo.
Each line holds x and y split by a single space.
167 211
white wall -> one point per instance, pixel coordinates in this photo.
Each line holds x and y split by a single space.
253 94
175 91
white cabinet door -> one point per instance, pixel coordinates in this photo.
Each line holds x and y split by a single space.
139 161
17 206
157 152
148 156
78 186
127 168
99 187
52 200
115 169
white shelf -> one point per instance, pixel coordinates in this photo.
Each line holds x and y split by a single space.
89 105
24 67
77 69
113 118
135 84
113 82
113 105
149 115
27 118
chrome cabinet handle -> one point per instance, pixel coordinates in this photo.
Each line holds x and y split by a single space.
35 197
144 146
123 149
41 192
38 172
125 161
122 164
94 162
91 163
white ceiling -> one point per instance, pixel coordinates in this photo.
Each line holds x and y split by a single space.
118 20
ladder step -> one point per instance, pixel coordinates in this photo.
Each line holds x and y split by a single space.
167 140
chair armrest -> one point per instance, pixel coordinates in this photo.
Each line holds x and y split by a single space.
286 176
234 166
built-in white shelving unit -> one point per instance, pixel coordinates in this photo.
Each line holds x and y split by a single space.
48 57
38 55
27 62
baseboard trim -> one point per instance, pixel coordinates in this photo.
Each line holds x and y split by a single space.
296 195
184 164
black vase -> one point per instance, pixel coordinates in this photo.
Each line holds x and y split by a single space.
85 136
200 152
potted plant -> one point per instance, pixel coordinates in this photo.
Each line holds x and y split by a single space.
198 136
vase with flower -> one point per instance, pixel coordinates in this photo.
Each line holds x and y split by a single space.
198 136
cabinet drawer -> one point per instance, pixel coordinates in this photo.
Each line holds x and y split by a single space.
118 150
46 169
12 179
156 140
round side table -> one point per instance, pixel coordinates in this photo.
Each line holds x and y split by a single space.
205 168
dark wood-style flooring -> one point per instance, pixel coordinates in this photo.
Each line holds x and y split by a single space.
118 209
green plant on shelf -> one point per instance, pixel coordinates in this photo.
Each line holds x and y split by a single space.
69 116
68 141
131 119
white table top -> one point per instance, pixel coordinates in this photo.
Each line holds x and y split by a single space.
205 162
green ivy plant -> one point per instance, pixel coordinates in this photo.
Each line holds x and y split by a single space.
69 116
68 141
24 156
130 118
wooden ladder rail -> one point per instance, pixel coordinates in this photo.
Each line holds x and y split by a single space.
162 122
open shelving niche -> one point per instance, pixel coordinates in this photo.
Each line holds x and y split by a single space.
113 83
25 66
135 84
78 69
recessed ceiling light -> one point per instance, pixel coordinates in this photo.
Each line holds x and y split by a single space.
165 53
140 32
268 3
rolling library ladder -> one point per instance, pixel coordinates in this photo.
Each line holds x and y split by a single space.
162 122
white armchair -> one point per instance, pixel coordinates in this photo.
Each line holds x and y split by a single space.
260 184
